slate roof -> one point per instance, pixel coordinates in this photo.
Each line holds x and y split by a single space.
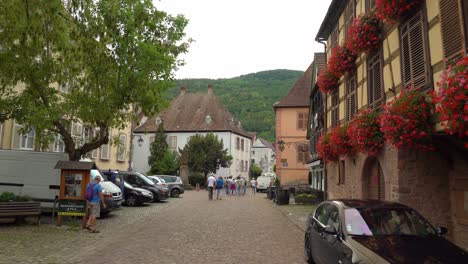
267 143
195 112
298 96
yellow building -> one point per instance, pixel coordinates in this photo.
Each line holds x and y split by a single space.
413 53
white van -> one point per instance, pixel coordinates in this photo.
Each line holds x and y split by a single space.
264 181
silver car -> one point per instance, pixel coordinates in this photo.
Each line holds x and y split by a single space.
174 183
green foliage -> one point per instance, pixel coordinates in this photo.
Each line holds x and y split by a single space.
9 196
249 98
254 171
305 195
206 153
277 182
167 165
274 168
197 177
112 56
158 148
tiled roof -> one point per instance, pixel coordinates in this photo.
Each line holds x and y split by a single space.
299 93
195 112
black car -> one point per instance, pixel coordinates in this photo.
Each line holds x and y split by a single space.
136 196
141 181
371 231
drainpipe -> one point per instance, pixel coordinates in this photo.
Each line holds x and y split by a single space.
325 196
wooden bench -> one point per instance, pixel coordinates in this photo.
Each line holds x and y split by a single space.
20 210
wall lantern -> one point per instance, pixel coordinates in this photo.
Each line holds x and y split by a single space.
281 145
140 141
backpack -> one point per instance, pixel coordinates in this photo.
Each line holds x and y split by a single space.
90 191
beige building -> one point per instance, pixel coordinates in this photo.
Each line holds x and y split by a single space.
413 53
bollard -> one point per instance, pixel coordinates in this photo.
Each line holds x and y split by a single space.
197 187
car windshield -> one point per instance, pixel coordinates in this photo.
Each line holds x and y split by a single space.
169 178
145 179
128 185
385 222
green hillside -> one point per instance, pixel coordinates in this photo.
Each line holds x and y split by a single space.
248 97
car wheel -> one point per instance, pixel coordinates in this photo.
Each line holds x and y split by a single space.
175 193
307 251
131 200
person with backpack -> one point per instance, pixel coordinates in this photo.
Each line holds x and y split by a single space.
219 188
94 197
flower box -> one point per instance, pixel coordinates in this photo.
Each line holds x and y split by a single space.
391 10
364 34
342 61
327 81
364 132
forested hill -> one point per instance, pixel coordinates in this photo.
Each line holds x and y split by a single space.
249 97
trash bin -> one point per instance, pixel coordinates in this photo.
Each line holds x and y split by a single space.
282 196
272 192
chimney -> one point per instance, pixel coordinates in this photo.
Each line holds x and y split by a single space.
183 90
210 89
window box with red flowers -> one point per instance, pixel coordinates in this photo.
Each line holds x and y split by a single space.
327 82
364 132
341 61
340 141
406 122
325 150
391 10
364 34
452 99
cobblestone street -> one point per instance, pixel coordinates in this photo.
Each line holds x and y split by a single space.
187 230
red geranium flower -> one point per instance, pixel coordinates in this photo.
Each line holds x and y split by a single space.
364 132
391 10
341 61
364 34
340 141
325 150
327 82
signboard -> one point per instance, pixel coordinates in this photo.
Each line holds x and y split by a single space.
284 160
285 164
72 207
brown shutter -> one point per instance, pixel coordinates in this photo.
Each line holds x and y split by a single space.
349 16
351 104
415 62
375 96
451 23
335 108
370 4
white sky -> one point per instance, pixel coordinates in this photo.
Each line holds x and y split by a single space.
235 37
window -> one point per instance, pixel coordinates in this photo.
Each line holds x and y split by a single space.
242 144
302 120
414 53
77 133
322 213
253 152
335 103
334 37
349 14
370 4
301 153
375 94
237 143
451 23
342 172
252 161
87 132
122 148
237 165
23 140
351 97
105 149
172 143
246 166
59 145
95 152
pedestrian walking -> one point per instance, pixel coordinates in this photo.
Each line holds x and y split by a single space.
94 197
233 186
239 185
253 185
211 183
244 185
227 184
219 188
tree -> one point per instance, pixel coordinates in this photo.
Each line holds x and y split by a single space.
206 154
255 171
158 150
168 164
94 62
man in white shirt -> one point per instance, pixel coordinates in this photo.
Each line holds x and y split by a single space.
253 184
211 182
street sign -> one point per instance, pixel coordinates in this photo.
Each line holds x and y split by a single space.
72 207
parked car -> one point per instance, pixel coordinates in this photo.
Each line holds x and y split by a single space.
111 192
372 231
139 180
157 180
174 183
136 196
264 181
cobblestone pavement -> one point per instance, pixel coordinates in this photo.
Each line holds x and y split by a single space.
187 230
298 213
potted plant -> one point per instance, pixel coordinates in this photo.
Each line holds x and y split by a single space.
327 81
342 61
325 150
364 34
340 141
364 132
306 198
406 122
391 10
452 99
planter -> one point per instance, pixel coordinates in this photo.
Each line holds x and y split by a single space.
306 200
282 196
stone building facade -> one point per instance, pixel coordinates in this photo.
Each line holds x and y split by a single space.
433 183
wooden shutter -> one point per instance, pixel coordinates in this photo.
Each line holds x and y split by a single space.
334 37
376 96
349 16
415 62
451 23
335 108
351 98
370 4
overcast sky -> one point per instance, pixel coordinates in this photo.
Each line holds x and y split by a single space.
235 37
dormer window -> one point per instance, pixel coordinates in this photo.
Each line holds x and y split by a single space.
158 121
208 119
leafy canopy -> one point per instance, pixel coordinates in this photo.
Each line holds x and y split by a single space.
111 56
206 153
161 159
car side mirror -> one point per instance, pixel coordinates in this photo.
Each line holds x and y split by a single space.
331 230
442 230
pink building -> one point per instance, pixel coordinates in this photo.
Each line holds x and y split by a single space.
291 131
